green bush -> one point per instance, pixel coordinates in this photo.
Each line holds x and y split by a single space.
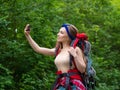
6 78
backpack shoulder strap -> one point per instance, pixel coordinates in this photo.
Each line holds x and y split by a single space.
72 60
57 51
80 37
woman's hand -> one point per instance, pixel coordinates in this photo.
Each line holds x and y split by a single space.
73 51
27 30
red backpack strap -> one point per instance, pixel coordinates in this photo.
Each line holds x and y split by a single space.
57 51
79 37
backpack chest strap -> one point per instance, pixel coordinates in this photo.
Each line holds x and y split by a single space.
67 76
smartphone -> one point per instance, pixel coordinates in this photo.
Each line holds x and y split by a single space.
28 29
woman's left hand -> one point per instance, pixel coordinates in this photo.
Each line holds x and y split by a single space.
73 51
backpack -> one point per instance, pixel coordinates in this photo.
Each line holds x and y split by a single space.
89 76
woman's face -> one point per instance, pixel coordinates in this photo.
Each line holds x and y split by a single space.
62 35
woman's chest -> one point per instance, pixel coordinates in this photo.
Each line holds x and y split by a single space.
62 58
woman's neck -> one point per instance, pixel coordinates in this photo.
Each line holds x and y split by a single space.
65 45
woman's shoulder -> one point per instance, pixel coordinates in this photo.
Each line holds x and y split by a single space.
78 48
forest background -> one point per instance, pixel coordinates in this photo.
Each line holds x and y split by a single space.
23 69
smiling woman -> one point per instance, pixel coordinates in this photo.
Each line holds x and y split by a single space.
68 78
62 35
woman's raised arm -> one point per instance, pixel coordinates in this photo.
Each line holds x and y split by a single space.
35 46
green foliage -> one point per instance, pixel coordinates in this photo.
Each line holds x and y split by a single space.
37 79
23 69
6 79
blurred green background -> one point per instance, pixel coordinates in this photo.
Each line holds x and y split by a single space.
23 69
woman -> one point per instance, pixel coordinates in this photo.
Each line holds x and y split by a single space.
68 77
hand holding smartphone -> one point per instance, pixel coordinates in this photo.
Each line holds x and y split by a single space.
27 29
